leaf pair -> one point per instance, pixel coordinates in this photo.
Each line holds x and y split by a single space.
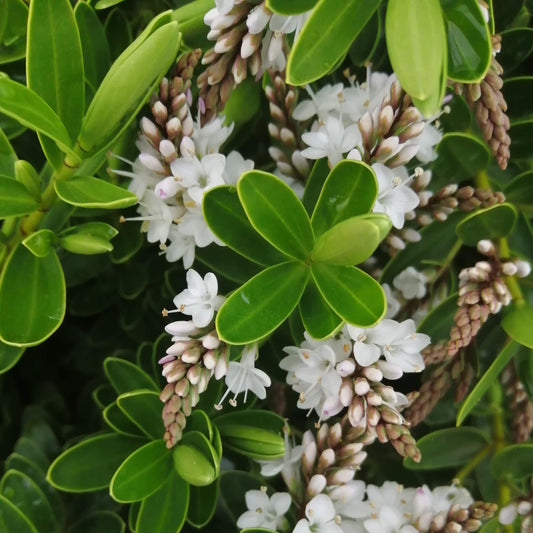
308 260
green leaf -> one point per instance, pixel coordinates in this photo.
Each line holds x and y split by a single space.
12 519
314 184
33 319
165 510
521 132
469 47
144 408
118 421
15 200
27 175
54 61
195 459
517 324
489 378
225 216
416 42
94 192
31 449
199 421
517 45
366 43
32 111
350 190
8 157
40 243
104 4
437 452
491 223
349 242
14 21
276 213
262 304
438 322
28 498
142 473
519 191
96 56
90 465
243 103
202 505
128 242
294 7
354 295
126 377
514 462
9 356
98 522
319 319
326 36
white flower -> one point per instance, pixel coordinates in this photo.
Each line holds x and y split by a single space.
332 140
389 520
235 166
200 299
348 500
411 283
181 246
209 138
193 224
224 6
320 517
264 511
327 99
393 304
242 376
366 345
426 143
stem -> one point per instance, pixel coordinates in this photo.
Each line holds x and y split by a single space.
463 473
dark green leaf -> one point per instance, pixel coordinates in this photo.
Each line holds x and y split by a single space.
40 243
8 157
491 223
202 505
294 7
243 103
314 184
225 216
126 377
15 200
438 453
118 421
351 293
98 522
12 519
31 449
469 47
9 356
128 242
513 462
521 132
199 421
142 473
262 304
438 322
195 460
350 190
365 44
517 94
276 213
40 313
90 465
144 408
517 324
316 51
517 45
488 379
520 191
165 510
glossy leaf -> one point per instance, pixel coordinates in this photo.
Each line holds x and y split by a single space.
165 510
15 200
491 223
469 47
94 192
8 157
225 216
314 184
276 213
521 132
350 190
26 174
126 377
40 313
290 8
316 51
437 452
488 379
262 304
98 522
28 498
144 408
319 320
520 192
199 421
195 459
351 293
517 324
117 420
514 462
32 111
366 43
416 42
202 505
40 243
90 465
9 356
142 473
12 519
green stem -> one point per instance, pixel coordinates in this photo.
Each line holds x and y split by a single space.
463 473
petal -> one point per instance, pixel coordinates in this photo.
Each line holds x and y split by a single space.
195 283
211 284
203 316
255 499
281 501
320 509
304 110
366 354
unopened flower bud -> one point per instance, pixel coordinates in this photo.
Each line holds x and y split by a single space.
485 247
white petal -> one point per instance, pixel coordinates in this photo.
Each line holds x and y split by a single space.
366 354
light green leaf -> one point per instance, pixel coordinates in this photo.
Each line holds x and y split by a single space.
27 175
326 36
32 111
15 200
489 378
517 324
294 7
351 293
469 47
314 184
165 510
98 522
514 462
144 408
142 473
94 192
349 190
90 465
276 213
126 377
12 519
225 216
437 452
104 4
40 243
491 223
416 42
195 459
9 356
262 304
117 420
8 157
33 319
